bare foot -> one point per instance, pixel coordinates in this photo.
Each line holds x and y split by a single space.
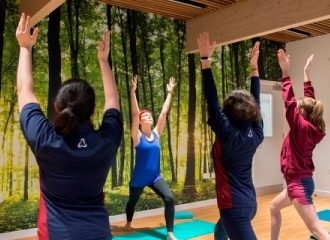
170 236
128 227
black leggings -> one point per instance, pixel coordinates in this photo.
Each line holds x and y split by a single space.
161 188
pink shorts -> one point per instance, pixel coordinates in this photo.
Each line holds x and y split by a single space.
301 189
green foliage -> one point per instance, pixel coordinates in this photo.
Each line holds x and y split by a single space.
17 215
160 55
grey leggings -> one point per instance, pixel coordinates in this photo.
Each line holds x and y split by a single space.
161 188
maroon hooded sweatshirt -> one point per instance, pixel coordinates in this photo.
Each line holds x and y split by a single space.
299 143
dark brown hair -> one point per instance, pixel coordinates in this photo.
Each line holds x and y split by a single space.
75 102
240 106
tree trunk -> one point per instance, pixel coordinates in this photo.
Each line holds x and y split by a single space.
73 35
3 6
11 145
114 178
10 115
190 171
145 39
26 174
243 60
169 138
236 62
231 58
131 26
54 51
204 157
124 41
180 27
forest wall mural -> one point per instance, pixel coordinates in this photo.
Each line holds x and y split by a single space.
148 45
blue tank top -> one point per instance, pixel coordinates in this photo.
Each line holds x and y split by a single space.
147 164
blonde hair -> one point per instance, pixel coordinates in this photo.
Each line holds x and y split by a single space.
313 112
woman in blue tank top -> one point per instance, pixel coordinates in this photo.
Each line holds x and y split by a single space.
147 167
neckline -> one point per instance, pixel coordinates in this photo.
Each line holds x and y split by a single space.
151 139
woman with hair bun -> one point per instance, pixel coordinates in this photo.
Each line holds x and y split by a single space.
73 158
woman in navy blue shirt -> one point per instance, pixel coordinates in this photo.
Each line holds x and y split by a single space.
147 167
73 158
239 131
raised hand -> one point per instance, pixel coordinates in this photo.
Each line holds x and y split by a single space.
171 85
104 47
134 83
254 56
284 62
308 62
23 36
205 47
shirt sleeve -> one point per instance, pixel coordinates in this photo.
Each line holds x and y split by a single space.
308 90
35 126
255 91
112 126
293 115
217 119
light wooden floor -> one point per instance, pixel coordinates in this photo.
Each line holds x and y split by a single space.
293 227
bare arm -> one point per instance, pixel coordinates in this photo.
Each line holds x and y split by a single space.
24 70
166 107
135 132
308 88
306 68
255 81
111 93
254 60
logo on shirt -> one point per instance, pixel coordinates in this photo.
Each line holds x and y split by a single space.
82 143
250 134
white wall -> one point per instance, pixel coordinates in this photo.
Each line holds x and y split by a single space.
320 74
266 172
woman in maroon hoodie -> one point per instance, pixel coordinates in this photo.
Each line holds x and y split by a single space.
307 128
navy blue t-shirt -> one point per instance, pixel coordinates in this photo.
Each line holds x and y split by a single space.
73 171
233 149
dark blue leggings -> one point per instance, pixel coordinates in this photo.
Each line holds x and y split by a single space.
235 224
161 188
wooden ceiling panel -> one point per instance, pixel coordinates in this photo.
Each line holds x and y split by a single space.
38 9
170 8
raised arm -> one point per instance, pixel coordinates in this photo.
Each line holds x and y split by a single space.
206 50
135 133
217 119
293 115
287 90
255 81
24 70
163 114
308 88
109 84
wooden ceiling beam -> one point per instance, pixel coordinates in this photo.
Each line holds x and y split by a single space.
38 9
251 18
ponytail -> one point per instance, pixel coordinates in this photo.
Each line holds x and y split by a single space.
66 121
316 116
75 103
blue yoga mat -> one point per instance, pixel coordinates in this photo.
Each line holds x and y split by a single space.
324 215
182 231
183 215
